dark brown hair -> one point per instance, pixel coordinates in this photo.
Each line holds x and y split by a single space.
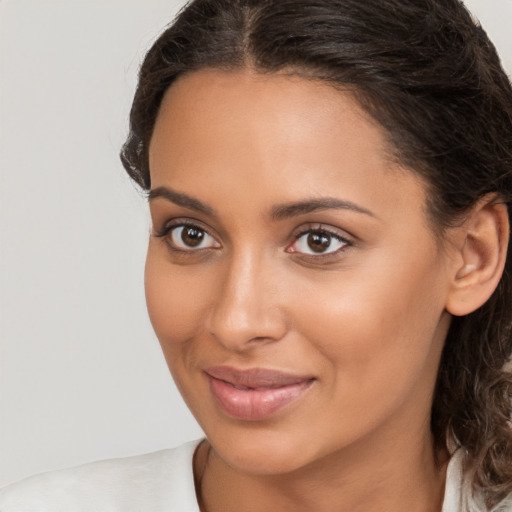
430 76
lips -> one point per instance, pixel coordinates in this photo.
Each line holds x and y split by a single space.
254 394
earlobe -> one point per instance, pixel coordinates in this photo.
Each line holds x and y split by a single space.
481 258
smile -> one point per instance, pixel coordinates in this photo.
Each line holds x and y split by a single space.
256 394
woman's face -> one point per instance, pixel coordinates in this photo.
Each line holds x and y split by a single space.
292 276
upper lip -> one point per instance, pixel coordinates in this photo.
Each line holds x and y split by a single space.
255 377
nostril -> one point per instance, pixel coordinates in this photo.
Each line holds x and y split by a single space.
246 335
260 339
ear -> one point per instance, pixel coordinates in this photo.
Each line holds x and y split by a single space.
482 252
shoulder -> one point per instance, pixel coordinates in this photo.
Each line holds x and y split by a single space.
458 493
154 482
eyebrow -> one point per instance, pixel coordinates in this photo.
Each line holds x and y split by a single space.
181 199
285 211
277 213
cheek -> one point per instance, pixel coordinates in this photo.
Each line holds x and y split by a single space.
377 329
174 306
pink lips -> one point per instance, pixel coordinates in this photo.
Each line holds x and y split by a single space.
254 394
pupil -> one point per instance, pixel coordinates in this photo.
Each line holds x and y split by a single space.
319 242
192 236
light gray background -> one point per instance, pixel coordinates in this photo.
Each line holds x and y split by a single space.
81 374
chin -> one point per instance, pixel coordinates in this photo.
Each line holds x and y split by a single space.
259 460
260 451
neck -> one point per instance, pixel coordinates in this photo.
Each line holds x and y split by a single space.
356 479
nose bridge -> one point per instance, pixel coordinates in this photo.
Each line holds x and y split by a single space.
246 305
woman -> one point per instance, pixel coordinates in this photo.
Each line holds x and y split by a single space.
327 271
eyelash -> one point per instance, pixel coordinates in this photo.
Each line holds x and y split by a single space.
166 234
318 229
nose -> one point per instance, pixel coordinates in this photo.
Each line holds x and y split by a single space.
246 311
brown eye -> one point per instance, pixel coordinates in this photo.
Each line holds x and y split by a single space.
191 237
318 242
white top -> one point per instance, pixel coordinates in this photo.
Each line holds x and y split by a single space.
156 482
162 481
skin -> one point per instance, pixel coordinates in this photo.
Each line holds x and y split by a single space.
367 321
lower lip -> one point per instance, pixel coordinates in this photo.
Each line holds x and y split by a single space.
255 404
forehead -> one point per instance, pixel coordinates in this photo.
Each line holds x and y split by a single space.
274 100
279 136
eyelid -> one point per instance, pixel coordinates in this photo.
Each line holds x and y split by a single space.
177 222
336 233
313 227
322 228
165 233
